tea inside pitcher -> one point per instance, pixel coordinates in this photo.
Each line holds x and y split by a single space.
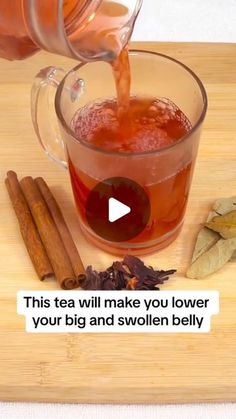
84 29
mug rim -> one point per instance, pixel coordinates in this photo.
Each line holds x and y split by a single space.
139 153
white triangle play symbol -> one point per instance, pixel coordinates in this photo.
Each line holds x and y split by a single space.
117 210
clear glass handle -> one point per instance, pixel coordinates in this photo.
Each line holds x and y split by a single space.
43 113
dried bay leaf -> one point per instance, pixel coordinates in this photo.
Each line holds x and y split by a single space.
224 205
233 258
205 240
224 224
212 260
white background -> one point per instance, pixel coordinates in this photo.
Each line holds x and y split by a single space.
187 20
160 20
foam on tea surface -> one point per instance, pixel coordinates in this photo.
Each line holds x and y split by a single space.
148 125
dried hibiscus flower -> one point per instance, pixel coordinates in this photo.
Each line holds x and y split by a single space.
130 274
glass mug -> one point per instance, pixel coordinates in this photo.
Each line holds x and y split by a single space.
165 174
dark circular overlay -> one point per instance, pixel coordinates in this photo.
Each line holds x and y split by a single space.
128 193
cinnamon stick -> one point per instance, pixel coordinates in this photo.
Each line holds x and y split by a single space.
28 228
49 234
62 228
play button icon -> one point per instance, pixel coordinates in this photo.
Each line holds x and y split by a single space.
117 209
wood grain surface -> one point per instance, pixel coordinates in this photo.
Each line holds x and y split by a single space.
150 368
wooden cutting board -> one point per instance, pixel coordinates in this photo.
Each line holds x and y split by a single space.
150 368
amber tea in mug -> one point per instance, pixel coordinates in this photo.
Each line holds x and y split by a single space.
154 142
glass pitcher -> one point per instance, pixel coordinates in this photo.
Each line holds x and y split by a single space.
87 30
